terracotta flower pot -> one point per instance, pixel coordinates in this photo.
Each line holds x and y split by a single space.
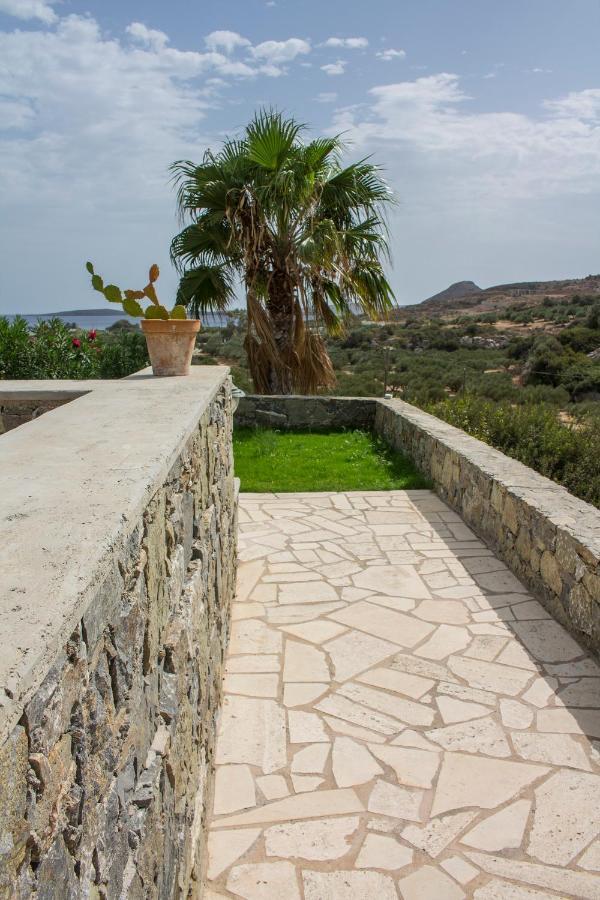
170 344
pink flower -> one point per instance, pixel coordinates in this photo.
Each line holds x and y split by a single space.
92 335
76 343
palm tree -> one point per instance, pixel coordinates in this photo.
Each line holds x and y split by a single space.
305 234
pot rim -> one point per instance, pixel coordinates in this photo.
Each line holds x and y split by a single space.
170 326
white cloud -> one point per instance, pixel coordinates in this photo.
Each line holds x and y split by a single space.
336 68
352 43
147 36
483 156
277 52
326 97
390 54
228 41
30 9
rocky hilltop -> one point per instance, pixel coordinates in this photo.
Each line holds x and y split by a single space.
466 298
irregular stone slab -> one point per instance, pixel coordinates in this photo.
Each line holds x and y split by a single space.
355 731
383 623
400 803
400 682
500 582
591 857
558 749
547 641
564 881
253 636
540 692
273 786
348 886
354 652
444 612
515 714
503 890
447 639
460 869
304 663
346 709
317 632
467 780
301 806
566 817
437 833
302 694
586 721
252 731
404 663
501 831
428 883
264 881
247 611
453 710
225 847
352 763
584 693
410 738
490 676
398 581
248 575
305 728
480 736
234 789
471 695
316 591
316 839
412 766
406 710
266 663
295 613
486 647
310 760
306 783
251 685
381 852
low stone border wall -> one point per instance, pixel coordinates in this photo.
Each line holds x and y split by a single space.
117 568
549 538
311 413
22 401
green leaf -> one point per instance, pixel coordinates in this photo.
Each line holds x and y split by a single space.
133 308
113 293
89 267
178 312
157 312
97 283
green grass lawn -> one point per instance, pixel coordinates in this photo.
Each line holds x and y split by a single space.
267 460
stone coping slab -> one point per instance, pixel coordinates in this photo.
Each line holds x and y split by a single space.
75 481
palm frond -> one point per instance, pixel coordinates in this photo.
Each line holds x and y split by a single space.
206 289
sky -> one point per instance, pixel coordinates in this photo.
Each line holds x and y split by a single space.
484 115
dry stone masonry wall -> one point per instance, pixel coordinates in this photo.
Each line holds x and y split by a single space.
106 778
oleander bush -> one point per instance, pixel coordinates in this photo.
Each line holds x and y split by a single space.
53 350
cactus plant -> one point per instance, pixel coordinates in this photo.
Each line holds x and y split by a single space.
129 299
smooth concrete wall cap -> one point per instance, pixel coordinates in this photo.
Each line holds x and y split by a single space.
74 483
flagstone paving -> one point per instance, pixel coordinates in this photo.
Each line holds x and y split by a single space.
402 719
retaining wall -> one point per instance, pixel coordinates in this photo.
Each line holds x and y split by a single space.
117 568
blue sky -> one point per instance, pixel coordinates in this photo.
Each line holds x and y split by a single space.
485 116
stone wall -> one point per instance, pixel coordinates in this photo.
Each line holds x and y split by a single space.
549 538
105 779
311 413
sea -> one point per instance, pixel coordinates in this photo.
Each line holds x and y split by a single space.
101 322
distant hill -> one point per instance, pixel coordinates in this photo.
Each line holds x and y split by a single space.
466 298
455 291
101 311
